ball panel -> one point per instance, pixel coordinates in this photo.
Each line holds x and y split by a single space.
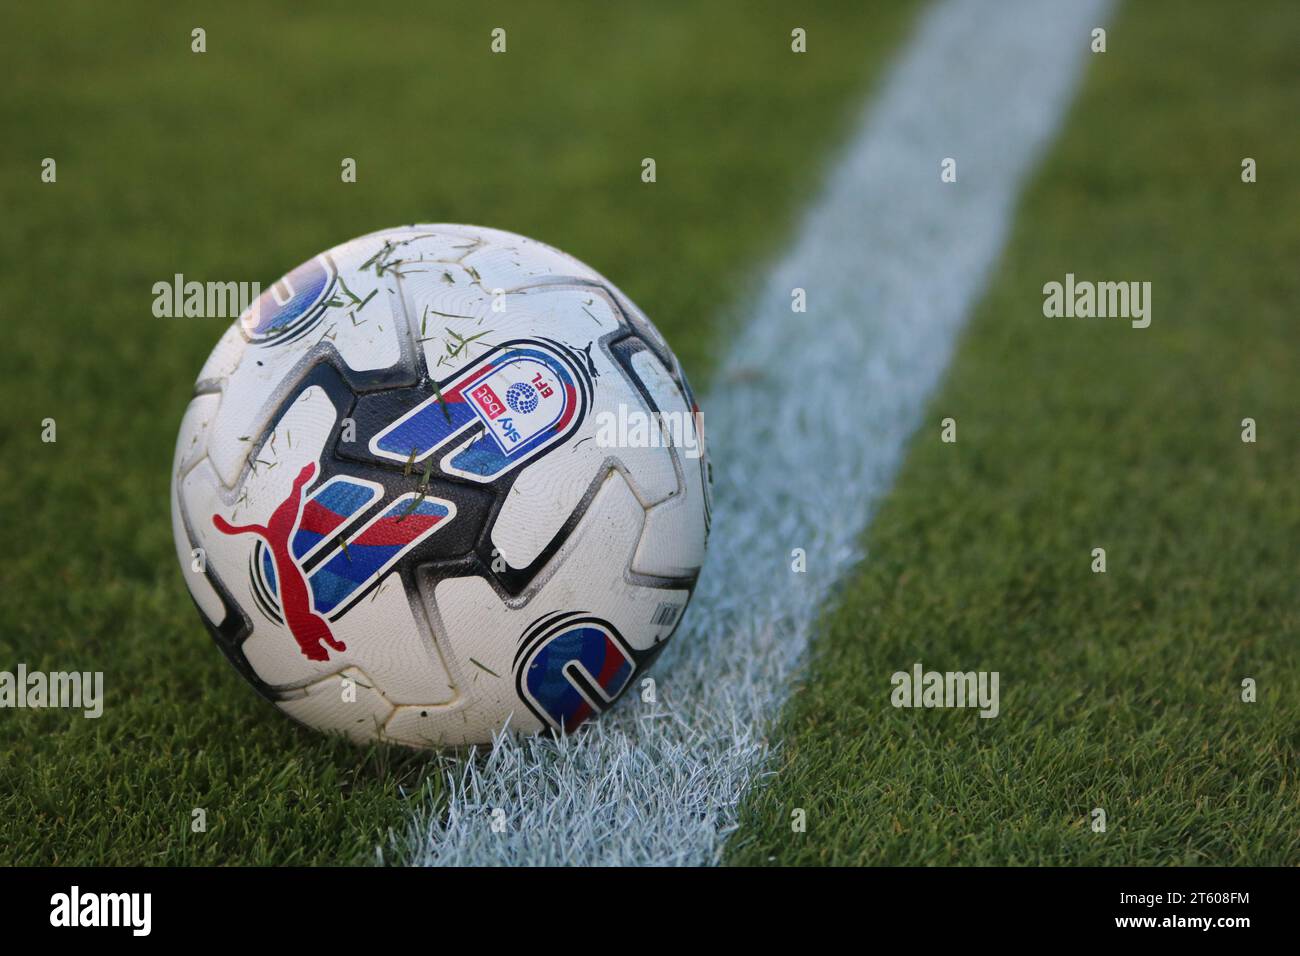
191 446
433 727
504 253
224 359
477 640
197 496
387 641
349 703
672 543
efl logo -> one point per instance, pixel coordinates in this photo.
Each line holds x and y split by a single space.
513 404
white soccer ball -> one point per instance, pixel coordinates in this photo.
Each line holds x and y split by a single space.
440 481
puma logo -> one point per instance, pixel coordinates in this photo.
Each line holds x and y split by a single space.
309 629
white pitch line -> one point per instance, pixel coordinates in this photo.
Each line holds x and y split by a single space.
806 424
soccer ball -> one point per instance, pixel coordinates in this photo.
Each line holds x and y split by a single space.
438 482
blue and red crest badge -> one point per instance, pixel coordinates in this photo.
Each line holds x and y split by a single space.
509 406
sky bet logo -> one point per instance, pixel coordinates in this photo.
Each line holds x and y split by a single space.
103 909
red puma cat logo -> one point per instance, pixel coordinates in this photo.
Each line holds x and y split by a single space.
309 629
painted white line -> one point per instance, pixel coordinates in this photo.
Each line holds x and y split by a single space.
807 423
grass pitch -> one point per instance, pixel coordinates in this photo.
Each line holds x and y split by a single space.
225 166
1119 691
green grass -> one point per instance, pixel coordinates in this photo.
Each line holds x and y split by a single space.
1119 690
226 166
